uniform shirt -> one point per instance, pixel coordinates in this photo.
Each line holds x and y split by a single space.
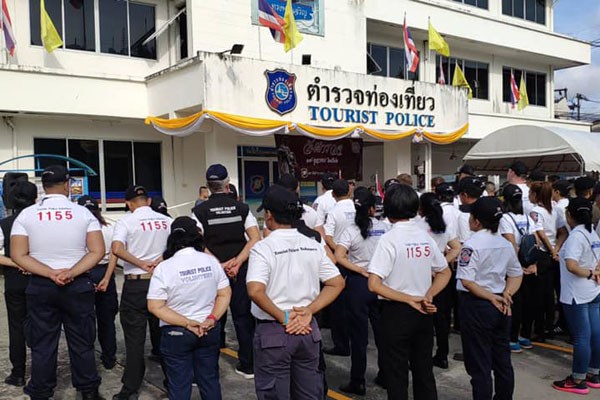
188 282
405 258
340 217
440 239
107 234
310 217
144 233
463 230
561 207
287 260
523 222
57 230
450 214
360 250
322 205
550 223
486 259
583 247
527 205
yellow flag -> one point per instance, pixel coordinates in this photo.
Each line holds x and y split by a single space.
437 42
292 36
50 37
459 80
524 99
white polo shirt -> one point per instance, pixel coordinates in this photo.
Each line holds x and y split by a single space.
57 230
463 230
405 259
441 239
486 259
450 214
107 234
527 205
340 217
561 207
291 266
360 250
514 224
322 205
188 282
583 247
310 217
144 233
550 223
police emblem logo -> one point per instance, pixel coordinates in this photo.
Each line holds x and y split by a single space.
257 184
465 256
281 93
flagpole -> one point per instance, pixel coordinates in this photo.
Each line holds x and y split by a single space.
259 43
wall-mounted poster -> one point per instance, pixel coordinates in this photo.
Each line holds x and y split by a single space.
309 14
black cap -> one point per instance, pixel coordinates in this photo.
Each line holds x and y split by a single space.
88 202
232 191
471 182
537 176
135 191
466 169
159 204
288 181
55 174
389 183
185 225
216 172
584 183
512 191
519 168
579 204
340 188
444 189
487 209
364 197
563 187
327 179
280 200
24 192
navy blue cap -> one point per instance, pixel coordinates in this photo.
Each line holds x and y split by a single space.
216 172
55 174
88 202
281 200
135 191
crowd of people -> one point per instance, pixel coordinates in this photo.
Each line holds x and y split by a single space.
505 268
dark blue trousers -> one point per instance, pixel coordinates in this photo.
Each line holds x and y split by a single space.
188 358
485 337
340 334
107 307
49 308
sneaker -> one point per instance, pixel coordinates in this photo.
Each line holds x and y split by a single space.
515 347
525 343
593 381
568 385
247 373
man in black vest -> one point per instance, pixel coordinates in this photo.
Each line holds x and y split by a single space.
225 223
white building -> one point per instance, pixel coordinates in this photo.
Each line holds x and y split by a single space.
88 100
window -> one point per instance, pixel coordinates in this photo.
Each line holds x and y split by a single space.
477 3
309 14
535 82
73 19
124 25
531 10
476 73
391 61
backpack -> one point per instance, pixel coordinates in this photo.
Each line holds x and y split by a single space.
529 251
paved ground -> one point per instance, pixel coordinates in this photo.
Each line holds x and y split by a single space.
534 369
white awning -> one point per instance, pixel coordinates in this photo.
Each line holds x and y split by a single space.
163 28
549 149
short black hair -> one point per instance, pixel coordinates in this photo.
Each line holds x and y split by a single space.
400 202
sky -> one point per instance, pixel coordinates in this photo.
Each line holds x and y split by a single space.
580 19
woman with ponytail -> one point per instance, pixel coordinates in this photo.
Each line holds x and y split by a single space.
189 292
580 297
353 252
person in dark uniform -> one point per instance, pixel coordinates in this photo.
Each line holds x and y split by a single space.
58 242
15 282
225 223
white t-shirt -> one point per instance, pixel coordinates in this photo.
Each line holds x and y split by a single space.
405 258
188 282
561 207
107 234
486 259
360 250
144 233
523 222
583 247
290 265
310 216
550 223
441 239
527 205
57 230
463 230
322 205
339 217
450 214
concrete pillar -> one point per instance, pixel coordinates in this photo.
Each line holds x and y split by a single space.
396 158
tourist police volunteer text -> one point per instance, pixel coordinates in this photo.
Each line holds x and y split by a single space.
346 115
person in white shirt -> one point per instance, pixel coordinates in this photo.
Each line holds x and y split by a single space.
287 338
470 189
107 304
488 275
400 273
517 175
354 250
139 239
560 196
189 292
325 202
580 297
58 242
551 230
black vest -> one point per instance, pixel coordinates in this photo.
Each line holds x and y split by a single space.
223 220
14 280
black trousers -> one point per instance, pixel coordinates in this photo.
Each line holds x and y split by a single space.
525 305
16 309
407 342
107 307
444 302
49 307
486 348
544 290
340 335
134 316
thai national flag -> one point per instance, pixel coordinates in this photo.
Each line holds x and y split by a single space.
515 96
6 25
410 50
269 18
380 192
